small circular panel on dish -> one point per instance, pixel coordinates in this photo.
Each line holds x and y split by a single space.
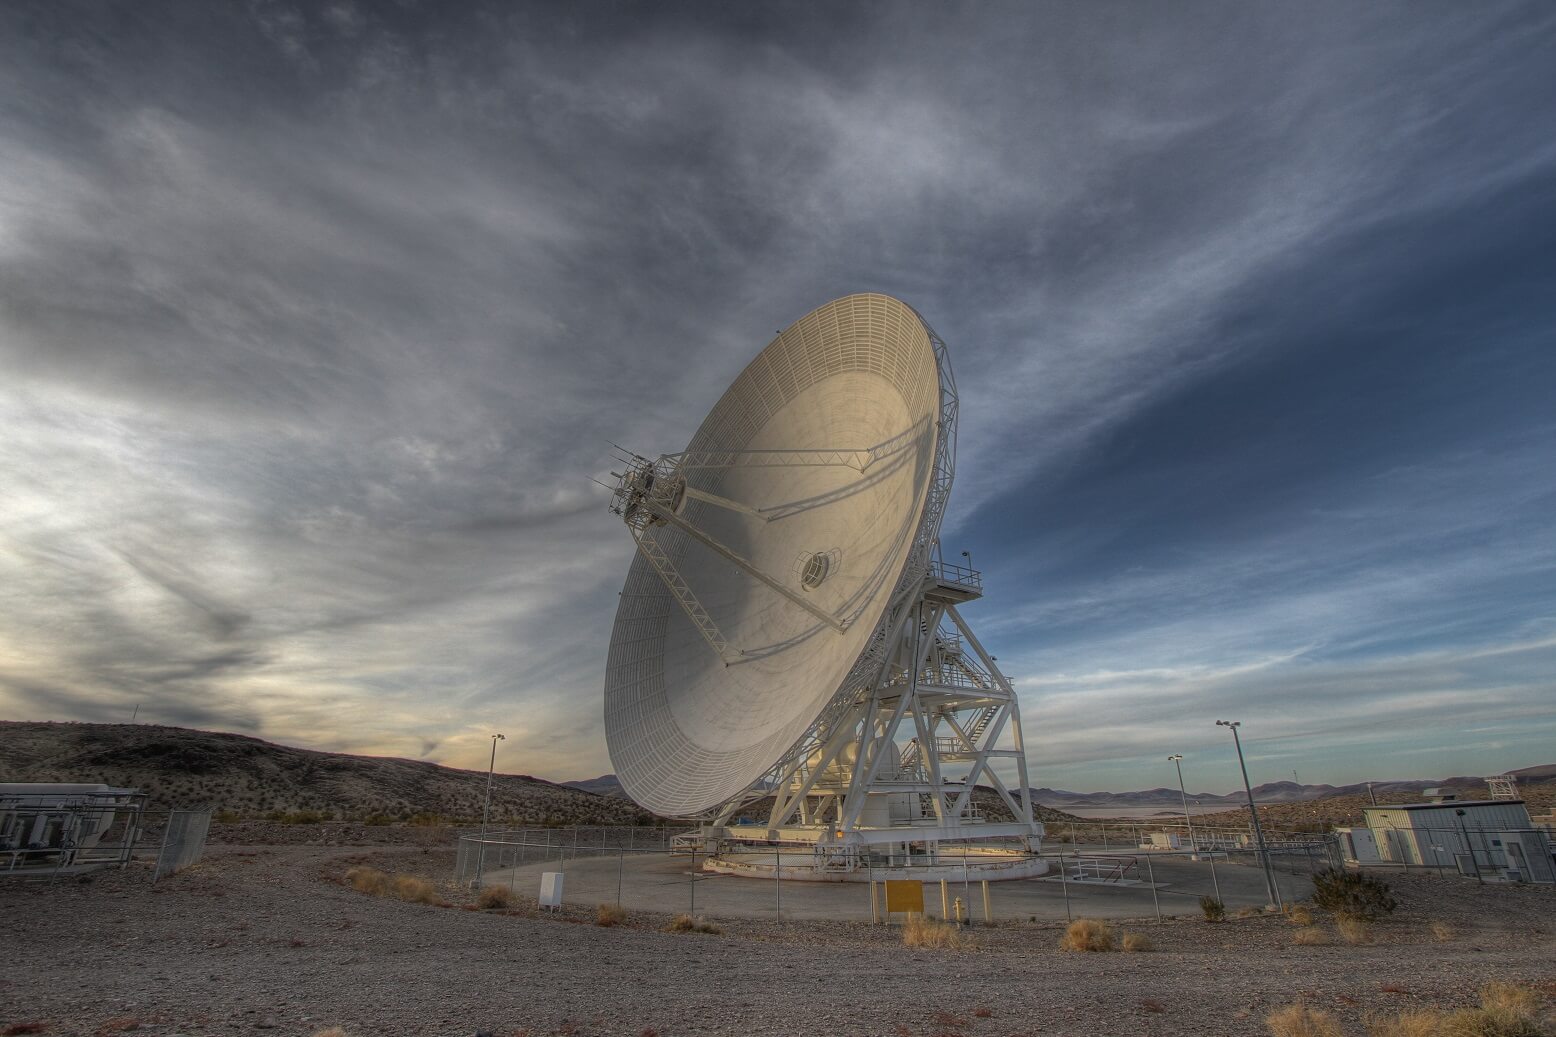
857 377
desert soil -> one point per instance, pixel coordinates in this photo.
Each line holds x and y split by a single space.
269 939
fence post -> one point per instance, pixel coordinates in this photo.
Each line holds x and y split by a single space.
1213 880
621 861
1065 885
777 885
988 910
1151 878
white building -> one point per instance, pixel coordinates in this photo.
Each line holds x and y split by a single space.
1492 838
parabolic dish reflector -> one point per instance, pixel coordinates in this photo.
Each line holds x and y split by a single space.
770 551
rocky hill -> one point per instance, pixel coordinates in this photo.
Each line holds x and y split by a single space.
252 778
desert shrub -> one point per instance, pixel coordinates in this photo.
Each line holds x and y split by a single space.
1310 936
368 880
1299 914
1353 929
1442 932
1298 1020
687 924
377 820
226 816
1087 934
1247 911
1215 910
608 915
919 931
494 896
1135 943
1352 893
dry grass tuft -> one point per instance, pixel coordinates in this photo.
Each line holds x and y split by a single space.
1087 934
609 915
688 924
946 1020
929 934
494 897
1153 1006
1442 932
1298 1020
1506 1010
1311 936
983 1013
414 890
1247 911
1300 915
368 880
1353 930
1135 943
401 887
1409 1023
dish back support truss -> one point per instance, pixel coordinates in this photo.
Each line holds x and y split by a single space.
944 692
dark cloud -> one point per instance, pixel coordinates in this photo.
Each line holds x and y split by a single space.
314 323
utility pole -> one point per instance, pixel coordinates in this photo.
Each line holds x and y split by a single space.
1258 831
486 809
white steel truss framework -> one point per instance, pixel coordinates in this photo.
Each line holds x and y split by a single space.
901 763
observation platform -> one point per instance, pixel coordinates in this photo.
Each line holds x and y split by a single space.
953 584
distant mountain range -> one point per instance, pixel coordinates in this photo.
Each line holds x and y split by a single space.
1270 792
604 785
1280 791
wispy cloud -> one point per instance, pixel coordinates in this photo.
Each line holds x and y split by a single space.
315 322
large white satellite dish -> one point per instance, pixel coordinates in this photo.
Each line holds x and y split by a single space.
782 557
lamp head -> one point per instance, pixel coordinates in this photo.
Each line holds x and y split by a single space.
498 738
1175 756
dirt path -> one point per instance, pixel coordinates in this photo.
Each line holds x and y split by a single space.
259 938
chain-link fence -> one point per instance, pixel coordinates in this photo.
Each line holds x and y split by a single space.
646 869
183 841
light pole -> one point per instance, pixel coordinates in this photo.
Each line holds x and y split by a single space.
1258 832
486 808
968 555
1177 761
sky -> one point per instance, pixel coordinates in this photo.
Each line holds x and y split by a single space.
316 322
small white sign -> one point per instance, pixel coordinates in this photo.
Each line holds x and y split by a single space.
551 888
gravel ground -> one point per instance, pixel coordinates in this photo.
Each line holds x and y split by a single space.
269 939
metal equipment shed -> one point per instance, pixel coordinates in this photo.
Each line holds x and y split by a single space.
1492 838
